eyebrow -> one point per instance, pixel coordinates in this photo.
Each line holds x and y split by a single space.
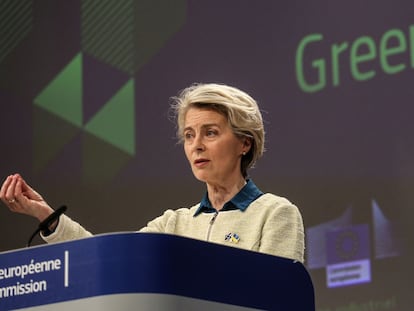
203 126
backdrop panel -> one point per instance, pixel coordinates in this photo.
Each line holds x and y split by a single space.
84 100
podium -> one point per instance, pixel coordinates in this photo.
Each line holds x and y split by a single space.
150 271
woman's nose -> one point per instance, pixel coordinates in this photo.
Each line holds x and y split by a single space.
198 143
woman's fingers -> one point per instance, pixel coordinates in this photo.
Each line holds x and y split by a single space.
4 187
7 191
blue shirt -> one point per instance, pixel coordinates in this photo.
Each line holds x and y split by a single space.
240 201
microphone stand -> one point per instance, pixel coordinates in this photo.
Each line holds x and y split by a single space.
44 225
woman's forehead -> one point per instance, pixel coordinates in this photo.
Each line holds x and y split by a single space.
197 115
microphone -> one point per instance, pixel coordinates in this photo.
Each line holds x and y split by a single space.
44 225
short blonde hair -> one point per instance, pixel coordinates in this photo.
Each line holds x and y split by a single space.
240 109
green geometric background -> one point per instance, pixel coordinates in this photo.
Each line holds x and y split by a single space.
16 22
126 34
123 35
61 105
114 123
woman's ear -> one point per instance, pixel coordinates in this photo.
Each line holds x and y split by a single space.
247 144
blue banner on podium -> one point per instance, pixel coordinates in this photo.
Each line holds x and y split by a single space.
123 271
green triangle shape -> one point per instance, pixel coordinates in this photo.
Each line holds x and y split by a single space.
63 95
115 122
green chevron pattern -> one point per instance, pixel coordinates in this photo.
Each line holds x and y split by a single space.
63 95
115 122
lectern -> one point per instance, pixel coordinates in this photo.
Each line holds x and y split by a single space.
150 271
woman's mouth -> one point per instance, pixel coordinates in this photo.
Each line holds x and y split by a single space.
200 162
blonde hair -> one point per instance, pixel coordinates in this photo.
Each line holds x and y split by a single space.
240 109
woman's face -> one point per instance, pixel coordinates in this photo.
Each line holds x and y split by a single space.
211 147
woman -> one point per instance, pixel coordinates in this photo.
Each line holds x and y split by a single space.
221 128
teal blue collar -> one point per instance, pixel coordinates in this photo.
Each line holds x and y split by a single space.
240 201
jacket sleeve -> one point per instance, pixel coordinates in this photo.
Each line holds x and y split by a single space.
162 224
67 229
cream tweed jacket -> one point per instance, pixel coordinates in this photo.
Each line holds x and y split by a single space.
271 224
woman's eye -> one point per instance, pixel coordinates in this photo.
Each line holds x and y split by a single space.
211 133
188 136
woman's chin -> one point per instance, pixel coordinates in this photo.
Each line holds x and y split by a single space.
200 177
